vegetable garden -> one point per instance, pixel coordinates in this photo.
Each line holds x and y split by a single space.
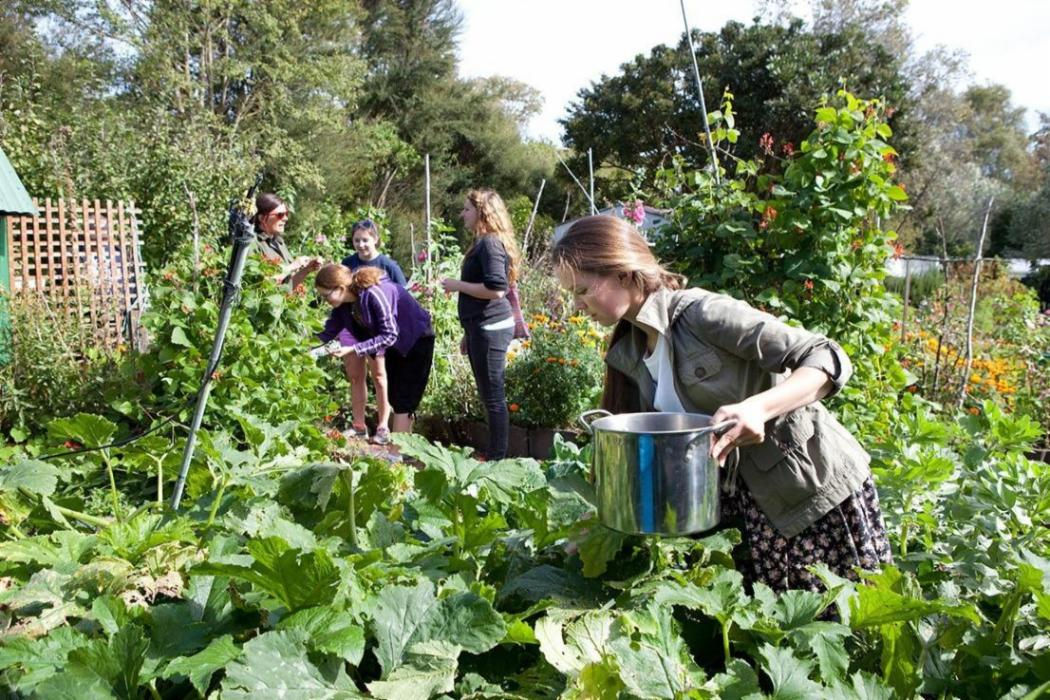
301 566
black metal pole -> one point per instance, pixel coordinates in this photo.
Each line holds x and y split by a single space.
242 231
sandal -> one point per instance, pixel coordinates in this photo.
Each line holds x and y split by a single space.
352 432
382 436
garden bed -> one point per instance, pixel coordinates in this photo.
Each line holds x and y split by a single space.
523 442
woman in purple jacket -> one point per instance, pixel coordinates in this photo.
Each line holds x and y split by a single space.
376 318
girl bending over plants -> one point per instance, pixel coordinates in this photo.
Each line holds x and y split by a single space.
799 481
375 318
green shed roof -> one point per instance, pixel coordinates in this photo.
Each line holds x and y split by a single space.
13 196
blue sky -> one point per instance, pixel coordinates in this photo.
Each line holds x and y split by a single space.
561 46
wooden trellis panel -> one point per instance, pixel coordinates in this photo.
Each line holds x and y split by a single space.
85 258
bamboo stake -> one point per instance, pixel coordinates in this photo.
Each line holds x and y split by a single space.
412 239
973 306
700 90
946 296
578 183
590 168
196 232
426 176
907 295
532 218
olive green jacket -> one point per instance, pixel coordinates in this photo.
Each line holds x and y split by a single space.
724 351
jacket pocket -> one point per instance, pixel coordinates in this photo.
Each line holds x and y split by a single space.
698 366
793 431
780 478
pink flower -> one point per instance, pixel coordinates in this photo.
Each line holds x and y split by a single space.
766 143
422 256
788 149
321 238
634 212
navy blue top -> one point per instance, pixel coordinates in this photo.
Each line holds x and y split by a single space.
383 262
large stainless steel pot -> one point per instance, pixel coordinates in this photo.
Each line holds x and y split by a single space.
653 473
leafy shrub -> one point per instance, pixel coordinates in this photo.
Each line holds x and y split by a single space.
1011 347
796 232
1039 280
52 368
264 370
555 375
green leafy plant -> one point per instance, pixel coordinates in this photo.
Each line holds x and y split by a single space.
556 374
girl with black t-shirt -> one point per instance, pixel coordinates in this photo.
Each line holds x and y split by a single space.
489 268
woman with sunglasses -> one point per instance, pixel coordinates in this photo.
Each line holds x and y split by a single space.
364 237
387 325
271 217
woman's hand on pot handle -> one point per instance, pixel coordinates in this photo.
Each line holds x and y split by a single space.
750 428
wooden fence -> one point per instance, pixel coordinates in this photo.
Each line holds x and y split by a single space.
85 260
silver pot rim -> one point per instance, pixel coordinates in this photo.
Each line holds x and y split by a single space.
621 423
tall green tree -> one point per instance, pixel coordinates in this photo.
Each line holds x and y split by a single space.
650 111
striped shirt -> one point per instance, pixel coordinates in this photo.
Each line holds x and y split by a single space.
385 315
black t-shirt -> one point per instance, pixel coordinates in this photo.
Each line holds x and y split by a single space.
486 262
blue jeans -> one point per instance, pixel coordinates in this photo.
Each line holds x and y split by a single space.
487 351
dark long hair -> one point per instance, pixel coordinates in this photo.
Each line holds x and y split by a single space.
607 246
264 204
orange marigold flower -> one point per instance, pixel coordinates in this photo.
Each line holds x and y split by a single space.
808 284
514 408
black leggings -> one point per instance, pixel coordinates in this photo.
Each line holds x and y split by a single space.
487 351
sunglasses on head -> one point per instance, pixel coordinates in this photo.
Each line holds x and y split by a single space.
362 224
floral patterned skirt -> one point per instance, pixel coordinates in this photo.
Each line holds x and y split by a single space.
850 535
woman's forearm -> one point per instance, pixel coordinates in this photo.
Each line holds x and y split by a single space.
480 291
804 386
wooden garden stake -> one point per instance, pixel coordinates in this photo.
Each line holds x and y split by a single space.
532 218
946 296
973 305
196 231
578 184
590 168
426 176
907 295
700 90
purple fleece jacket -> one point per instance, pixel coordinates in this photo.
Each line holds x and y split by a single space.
385 315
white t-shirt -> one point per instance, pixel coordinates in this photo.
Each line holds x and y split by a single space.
658 362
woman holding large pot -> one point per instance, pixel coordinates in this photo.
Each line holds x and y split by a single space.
798 479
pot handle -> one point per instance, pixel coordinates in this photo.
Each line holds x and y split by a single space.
601 412
717 429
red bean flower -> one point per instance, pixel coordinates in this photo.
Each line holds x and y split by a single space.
766 143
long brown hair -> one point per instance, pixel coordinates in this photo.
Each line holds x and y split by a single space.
493 220
607 246
334 275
